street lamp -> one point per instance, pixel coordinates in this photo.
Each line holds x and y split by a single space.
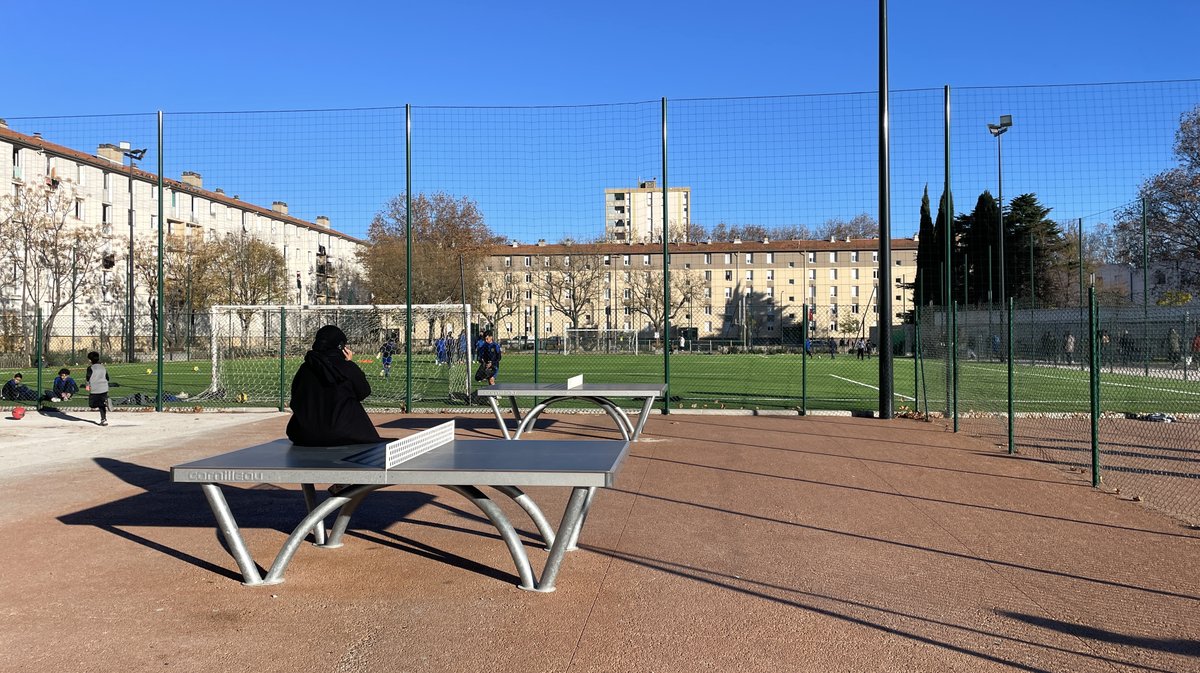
133 155
998 130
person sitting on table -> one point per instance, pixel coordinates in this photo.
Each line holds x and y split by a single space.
15 389
327 395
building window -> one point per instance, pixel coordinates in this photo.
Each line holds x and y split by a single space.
770 274
791 281
508 261
833 274
728 259
707 310
812 258
854 274
546 261
854 308
854 257
749 258
833 291
645 260
833 258
529 278
749 275
875 256
875 274
770 258
708 258
728 292
106 213
729 275
854 291
528 262
607 260
708 276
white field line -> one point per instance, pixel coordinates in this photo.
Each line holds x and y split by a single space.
1102 382
868 385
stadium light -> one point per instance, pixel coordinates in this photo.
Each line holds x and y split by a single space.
133 155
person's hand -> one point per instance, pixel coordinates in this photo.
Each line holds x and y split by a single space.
348 353
88 387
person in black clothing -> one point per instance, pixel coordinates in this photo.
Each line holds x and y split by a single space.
327 395
489 357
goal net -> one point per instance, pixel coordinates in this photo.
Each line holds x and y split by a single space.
600 341
257 349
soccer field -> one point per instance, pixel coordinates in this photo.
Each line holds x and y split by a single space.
741 381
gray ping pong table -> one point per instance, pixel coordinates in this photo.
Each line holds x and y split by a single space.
432 457
600 394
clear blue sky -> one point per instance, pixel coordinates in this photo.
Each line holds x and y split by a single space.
98 58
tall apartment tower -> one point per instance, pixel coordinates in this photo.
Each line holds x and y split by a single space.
635 215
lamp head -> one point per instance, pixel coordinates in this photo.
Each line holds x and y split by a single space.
997 130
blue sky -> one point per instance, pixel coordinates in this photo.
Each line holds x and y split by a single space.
100 58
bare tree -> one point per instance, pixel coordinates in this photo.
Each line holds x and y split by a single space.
443 229
570 283
862 226
53 256
646 295
499 301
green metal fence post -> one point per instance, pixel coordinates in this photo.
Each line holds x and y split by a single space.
39 357
954 358
666 257
537 337
282 355
946 228
1145 296
1011 420
804 363
161 317
408 368
1094 379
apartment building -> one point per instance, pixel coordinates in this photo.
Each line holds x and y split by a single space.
734 290
635 215
121 201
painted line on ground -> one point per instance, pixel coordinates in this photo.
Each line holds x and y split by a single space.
868 385
994 370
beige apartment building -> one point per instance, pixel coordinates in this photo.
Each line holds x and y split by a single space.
635 215
737 290
121 202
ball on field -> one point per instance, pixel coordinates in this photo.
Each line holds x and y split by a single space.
242 397
149 371
195 369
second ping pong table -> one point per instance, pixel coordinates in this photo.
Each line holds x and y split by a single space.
600 394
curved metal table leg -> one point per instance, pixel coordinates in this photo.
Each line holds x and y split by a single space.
567 529
343 521
275 575
534 512
233 537
614 412
617 414
310 501
500 416
587 506
496 515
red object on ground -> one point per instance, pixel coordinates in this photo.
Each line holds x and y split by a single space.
18 413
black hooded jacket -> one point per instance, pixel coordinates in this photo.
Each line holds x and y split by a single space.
327 394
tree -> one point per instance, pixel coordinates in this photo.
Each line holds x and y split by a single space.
941 231
929 257
862 226
570 283
850 324
977 247
646 295
1172 210
499 302
52 255
443 229
1054 259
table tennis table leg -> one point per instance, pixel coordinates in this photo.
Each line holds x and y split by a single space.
512 400
324 509
571 520
637 432
506 530
310 501
500 416
617 413
534 512
233 536
587 506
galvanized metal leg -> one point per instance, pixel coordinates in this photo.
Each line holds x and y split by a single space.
587 507
531 417
571 521
343 519
310 501
506 530
512 400
330 505
616 413
534 512
637 432
500 416
233 537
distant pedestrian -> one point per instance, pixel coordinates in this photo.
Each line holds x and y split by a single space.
832 348
386 351
488 353
996 347
861 347
97 386
64 386
1176 347
1069 347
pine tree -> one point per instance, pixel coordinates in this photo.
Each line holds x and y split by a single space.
929 255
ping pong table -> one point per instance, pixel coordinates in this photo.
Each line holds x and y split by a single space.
600 394
432 457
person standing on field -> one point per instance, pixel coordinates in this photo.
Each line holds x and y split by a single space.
1069 347
97 386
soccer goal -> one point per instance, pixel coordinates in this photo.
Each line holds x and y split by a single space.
600 341
255 350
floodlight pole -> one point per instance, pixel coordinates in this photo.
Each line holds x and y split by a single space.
132 155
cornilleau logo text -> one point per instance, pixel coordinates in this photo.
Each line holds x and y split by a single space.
225 475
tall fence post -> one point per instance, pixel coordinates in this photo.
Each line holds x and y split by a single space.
954 358
1094 379
1011 420
408 258
39 357
666 256
1145 296
161 318
282 355
804 363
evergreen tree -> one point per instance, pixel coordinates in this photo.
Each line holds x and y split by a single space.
979 250
929 255
1052 269
945 205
